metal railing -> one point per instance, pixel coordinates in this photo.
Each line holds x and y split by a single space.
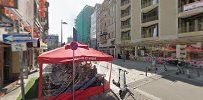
147 4
190 29
125 26
124 2
125 14
150 19
124 38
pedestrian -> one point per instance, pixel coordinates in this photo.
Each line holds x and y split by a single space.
123 57
154 63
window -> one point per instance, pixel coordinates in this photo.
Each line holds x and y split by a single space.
151 31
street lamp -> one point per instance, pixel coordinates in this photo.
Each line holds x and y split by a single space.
62 22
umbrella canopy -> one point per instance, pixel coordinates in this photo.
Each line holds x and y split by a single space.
170 49
65 55
193 49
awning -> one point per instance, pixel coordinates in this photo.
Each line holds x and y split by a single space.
170 49
193 49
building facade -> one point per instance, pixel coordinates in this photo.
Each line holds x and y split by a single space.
22 17
94 25
83 24
150 25
106 30
53 41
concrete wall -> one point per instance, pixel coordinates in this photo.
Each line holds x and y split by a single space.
118 22
135 20
168 20
26 10
1 65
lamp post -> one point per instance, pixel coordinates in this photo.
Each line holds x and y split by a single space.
62 22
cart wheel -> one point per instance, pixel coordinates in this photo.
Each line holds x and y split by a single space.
156 68
149 69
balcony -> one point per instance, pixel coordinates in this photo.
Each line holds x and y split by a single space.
125 36
125 18
190 29
148 19
125 28
190 9
125 5
148 3
125 14
124 2
149 32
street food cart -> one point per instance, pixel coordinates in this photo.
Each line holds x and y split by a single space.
62 84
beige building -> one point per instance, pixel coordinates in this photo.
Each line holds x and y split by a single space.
145 25
106 30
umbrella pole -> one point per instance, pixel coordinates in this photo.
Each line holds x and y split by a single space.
73 73
110 73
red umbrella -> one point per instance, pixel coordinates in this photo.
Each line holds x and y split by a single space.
64 55
170 49
193 49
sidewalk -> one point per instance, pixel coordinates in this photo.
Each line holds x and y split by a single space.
15 89
141 66
141 87
136 77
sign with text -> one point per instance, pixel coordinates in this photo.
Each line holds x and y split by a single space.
4 24
8 38
18 46
9 3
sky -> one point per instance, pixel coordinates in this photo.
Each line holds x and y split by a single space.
66 10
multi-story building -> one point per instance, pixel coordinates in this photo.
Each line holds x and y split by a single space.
22 17
146 25
106 31
190 25
52 41
83 24
94 24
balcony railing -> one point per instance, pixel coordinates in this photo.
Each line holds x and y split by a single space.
190 29
191 6
145 35
125 38
124 2
125 26
149 19
147 4
125 14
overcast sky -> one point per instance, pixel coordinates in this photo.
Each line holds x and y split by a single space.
66 10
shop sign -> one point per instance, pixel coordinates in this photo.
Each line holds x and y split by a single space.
194 5
18 46
9 3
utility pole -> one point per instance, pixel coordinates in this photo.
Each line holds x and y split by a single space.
21 65
62 31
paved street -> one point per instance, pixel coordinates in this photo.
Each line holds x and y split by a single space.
165 85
